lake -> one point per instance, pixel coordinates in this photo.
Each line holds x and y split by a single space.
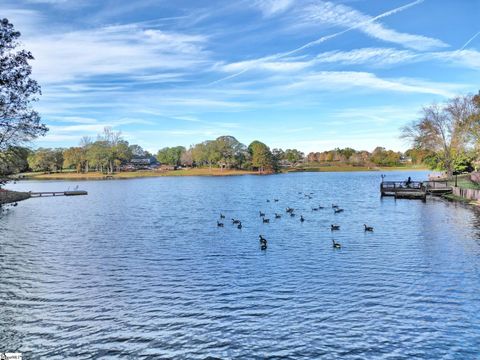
139 269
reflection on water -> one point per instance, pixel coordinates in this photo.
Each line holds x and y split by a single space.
139 269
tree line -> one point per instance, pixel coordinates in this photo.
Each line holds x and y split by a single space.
110 152
226 152
106 154
348 156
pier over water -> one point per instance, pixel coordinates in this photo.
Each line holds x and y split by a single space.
414 189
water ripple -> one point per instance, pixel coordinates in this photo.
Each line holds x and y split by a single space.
139 269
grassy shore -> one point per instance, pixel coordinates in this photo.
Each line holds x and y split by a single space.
451 197
347 168
463 181
133 174
70 175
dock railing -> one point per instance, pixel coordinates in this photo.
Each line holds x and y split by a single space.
404 189
402 185
414 189
436 184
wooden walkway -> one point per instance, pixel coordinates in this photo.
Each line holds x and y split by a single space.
58 193
438 187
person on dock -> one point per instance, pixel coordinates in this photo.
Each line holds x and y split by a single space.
409 181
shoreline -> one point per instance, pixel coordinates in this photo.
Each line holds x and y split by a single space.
9 196
194 172
458 199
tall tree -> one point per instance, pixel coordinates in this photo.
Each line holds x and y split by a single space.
474 121
137 151
261 156
171 155
442 129
231 152
14 160
114 149
293 156
46 160
19 123
187 158
75 157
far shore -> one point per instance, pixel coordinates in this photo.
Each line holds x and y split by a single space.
69 175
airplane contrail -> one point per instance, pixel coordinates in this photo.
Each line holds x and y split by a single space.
470 40
328 37
318 41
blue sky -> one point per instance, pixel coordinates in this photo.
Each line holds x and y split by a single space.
308 74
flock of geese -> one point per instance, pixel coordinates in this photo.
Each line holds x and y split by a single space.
290 211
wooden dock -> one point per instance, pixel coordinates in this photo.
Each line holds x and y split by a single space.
58 193
404 190
438 187
414 189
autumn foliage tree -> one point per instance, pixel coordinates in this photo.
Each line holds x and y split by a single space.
19 123
443 129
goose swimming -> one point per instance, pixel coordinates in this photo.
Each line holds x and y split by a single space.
368 228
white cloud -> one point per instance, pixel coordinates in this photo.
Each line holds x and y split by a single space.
273 7
373 56
125 50
351 20
275 66
466 58
379 115
345 80
370 57
73 119
26 21
327 13
388 56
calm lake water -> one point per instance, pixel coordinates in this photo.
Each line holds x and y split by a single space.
139 269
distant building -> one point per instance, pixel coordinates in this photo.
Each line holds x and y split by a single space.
148 163
405 160
141 162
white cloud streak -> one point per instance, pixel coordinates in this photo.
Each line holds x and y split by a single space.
368 57
113 50
347 80
273 7
344 16
340 15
